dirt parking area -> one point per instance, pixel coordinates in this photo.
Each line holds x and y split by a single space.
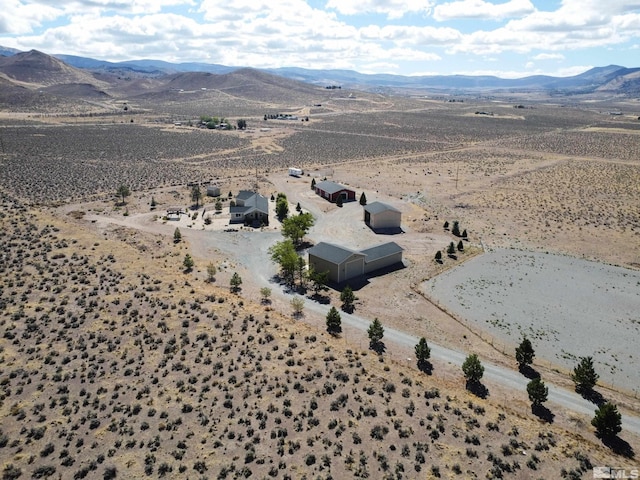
567 307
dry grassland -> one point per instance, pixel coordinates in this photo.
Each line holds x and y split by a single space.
116 362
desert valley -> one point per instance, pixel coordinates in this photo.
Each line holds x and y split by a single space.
120 359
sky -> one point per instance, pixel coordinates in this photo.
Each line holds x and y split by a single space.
510 39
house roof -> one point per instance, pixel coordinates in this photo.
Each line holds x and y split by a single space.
330 187
380 251
245 194
378 207
332 253
252 201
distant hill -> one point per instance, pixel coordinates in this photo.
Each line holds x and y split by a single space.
39 69
97 78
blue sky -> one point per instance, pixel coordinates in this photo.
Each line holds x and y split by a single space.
511 38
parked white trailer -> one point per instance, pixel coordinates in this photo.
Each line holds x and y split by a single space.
295 172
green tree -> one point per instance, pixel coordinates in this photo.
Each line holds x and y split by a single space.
177 236
363 199
284 254
282 207
123 192
318 280
423 353
196 195
242 124
235 282
153 202
334 321
446 225
296 227
375 333
607 420
218 206
339 201
439 256
472 369
298 208
524 353
584 375
460 246
211 272
188 262
456 228
451 249
297 304
347 297
537 391
464 233
265 294
313 184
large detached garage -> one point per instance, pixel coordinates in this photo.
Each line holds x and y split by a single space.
341 263
380 216
344 264
332 191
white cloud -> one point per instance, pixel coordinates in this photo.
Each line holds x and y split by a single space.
17 17
549 56
480 9
393 9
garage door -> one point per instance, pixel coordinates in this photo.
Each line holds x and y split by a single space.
354 268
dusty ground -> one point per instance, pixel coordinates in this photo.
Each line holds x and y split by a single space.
508 186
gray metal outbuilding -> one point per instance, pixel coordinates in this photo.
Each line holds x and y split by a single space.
379 216
343 264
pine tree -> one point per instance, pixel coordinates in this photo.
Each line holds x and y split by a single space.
235 282
472 369
584 375
177 236
423 353
537 391
376 333
363 199
456 228
524 353
347 298
334 321
188 262
607 420
339 201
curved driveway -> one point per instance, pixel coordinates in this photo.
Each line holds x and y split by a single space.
253 246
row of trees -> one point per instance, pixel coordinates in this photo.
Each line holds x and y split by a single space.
607 419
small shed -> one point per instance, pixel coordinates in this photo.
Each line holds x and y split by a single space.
341 263
380 216
213 191
332 191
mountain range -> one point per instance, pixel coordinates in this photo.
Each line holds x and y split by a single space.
65 74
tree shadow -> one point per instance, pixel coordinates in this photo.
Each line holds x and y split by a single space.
378 347
543 413
347 308
452 256
619 446
322 299
335 331
592 396
426 367
529 372
477 388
